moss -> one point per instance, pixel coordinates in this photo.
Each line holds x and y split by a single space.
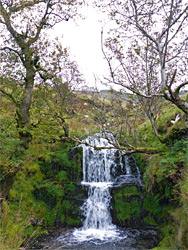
126 192
12 227
126 204
123 210
152 205
43 187
69 213
147 136
73 222
177 131
150 221
166 128
180 217
168 236
162 248
62 176
167 175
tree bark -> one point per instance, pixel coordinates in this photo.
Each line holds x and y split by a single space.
23 107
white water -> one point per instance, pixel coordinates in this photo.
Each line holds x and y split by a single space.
97 177
99 170
99 174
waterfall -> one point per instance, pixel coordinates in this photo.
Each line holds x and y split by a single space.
102 169
105 171
96 175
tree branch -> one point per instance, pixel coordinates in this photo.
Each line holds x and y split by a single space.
177 90
166 40
40 27
15 51
14 9
172 80
174 22
126 150
143 31
10 96
7 22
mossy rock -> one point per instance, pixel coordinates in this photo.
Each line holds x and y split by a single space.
134 207
177 131
169 130
126 203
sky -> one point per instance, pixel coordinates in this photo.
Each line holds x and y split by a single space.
83 38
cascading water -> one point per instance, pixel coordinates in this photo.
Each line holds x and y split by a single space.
97 177
102 170
99 174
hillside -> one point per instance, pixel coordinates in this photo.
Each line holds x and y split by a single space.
38 185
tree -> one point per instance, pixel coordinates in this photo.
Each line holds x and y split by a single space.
28 56
147 53
53 105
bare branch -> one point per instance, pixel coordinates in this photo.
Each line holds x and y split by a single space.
180 86
40 27
174 22
13 50
179 50
14 9
173 78
108 61
144 32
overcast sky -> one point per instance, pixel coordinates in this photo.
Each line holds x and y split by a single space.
84 40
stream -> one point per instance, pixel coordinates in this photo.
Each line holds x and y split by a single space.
102 170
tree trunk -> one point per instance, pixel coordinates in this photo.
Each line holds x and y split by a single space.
175 99
23 108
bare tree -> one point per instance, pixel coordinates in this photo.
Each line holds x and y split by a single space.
148 52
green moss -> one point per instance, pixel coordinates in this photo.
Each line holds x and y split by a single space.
135 207
169 237
62 176
73 222
150 221
42 189
140 162
126 204
123 210
126 192
162 248
69 213
177 131
152 205
69 189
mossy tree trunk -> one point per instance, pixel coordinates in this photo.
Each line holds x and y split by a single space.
23 107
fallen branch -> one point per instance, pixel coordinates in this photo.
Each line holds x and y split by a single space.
125 150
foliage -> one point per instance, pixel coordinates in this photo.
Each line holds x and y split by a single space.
9 147
39 196
167 168
165 177
43 190
12 228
